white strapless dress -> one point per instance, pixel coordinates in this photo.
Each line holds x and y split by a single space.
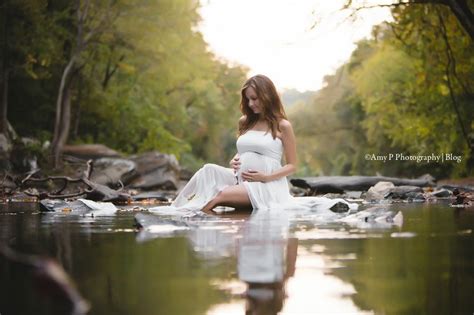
258 151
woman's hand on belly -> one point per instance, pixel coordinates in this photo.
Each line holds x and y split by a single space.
235 163
254 176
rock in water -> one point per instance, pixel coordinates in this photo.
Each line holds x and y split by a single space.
156 171
111 171
441 193
339 207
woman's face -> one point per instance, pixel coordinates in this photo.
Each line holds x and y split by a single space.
254 103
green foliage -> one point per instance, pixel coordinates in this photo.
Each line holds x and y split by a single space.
400 92
146 78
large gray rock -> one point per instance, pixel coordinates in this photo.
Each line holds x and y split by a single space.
387 190
156 171
104 193
90 151
111 171
378 191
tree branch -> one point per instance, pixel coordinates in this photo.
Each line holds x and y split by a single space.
450 67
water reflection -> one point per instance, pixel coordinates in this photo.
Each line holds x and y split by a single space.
266 259
265 263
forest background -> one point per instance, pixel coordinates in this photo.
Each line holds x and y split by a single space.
138 76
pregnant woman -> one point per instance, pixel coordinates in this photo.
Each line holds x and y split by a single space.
256 179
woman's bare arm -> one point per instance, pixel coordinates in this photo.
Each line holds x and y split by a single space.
289 147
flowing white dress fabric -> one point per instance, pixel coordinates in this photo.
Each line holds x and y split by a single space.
258 150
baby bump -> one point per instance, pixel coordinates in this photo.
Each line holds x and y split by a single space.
252 161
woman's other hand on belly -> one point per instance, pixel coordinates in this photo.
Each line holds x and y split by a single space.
254 176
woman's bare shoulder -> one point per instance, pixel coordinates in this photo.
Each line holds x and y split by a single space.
242 119
285 125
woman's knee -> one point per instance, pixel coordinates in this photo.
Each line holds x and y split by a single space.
223 197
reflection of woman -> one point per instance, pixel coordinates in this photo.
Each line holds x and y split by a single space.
257 179
268 298
266 259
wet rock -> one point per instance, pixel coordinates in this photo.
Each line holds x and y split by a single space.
378 191
465 199
441 193
404 192
340 207
111 171
457 187
80 206
387 190
156 171
298 192
57 205
90 151
152 195
334 195
105 193
354 196
415 197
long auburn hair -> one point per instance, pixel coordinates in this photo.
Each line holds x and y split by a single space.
272 108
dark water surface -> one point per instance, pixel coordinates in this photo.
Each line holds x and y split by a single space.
233 264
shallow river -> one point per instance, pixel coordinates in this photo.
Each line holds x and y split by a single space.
234 264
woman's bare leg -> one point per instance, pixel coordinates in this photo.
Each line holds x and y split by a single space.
232 196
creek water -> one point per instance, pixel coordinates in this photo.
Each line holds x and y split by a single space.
247 265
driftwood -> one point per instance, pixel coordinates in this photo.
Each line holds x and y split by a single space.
91 191
64 180
339 184
49 278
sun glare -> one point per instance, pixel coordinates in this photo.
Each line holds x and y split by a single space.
296 43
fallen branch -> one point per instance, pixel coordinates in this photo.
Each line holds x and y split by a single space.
92 191
65 182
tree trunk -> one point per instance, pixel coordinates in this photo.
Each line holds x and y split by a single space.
4 103
4 74
61 106
76 117
463 13
65 123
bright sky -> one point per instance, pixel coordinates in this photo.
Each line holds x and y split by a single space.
276 38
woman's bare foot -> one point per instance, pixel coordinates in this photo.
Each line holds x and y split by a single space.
208 211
